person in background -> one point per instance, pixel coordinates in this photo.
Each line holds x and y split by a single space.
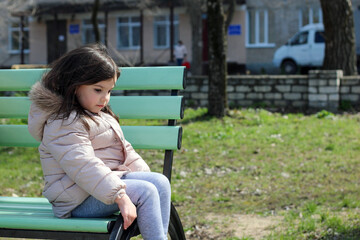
180 53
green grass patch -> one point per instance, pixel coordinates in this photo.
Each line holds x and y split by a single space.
305 168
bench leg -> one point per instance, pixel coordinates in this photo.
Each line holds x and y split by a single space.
118 232
176 230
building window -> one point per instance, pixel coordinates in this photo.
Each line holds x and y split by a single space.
128 32
257 25
309 16
88 31
162 31
16 36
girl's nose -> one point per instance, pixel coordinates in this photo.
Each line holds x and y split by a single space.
106 97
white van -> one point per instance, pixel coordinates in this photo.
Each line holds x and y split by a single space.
305 49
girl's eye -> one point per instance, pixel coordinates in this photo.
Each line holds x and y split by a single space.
109 91
98 90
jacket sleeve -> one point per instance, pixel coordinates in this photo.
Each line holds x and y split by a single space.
69 143
36 121
134 161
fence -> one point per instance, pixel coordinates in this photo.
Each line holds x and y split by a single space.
320 89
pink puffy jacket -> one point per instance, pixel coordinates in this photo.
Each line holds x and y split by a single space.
77 162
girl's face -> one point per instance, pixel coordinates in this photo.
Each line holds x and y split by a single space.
96 96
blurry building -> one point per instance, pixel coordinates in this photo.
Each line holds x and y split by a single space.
136 32
139 34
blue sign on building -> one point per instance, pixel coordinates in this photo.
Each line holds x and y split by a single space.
74 29
234 29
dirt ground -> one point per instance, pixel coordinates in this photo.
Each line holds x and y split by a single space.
235 225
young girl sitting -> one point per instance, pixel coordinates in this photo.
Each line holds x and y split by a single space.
90 170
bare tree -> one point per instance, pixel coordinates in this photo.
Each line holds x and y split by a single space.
217 95
340 49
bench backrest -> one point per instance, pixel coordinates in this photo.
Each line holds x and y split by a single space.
170 107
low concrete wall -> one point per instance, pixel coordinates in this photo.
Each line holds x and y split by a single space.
319 89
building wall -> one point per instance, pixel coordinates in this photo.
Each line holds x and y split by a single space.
73 39
283 23
38 53
356 7
6 57
236 43
38 43
38 38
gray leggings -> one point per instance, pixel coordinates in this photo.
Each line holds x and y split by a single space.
150 192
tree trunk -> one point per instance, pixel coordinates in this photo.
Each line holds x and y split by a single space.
340 50
194 9
217 59
94 20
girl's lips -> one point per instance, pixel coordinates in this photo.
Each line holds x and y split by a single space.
101 106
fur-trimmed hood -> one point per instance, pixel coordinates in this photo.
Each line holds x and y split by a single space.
45 103
45 99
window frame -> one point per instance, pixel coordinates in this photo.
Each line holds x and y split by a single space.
85 26
11 30
166 23
131 25
258 43
311 16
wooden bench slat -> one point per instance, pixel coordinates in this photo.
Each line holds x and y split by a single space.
19 80
38 201
16 136
14 107
154 137
159 77
20 212
50 222
141 137
148 107
126 107
41 234
25 212
25 207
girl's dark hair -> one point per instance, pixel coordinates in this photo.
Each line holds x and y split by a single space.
86 65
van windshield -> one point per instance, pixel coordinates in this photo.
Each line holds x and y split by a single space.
300 38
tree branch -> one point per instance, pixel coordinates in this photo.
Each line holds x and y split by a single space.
230 13
94 20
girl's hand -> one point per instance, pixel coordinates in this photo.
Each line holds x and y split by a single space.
127 210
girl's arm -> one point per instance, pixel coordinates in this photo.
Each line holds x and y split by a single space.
127 210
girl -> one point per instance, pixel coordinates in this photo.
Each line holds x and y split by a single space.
90 170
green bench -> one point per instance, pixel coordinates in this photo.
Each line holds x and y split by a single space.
30 217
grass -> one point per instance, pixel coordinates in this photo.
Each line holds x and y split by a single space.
305 168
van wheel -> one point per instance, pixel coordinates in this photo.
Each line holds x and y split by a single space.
289 67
